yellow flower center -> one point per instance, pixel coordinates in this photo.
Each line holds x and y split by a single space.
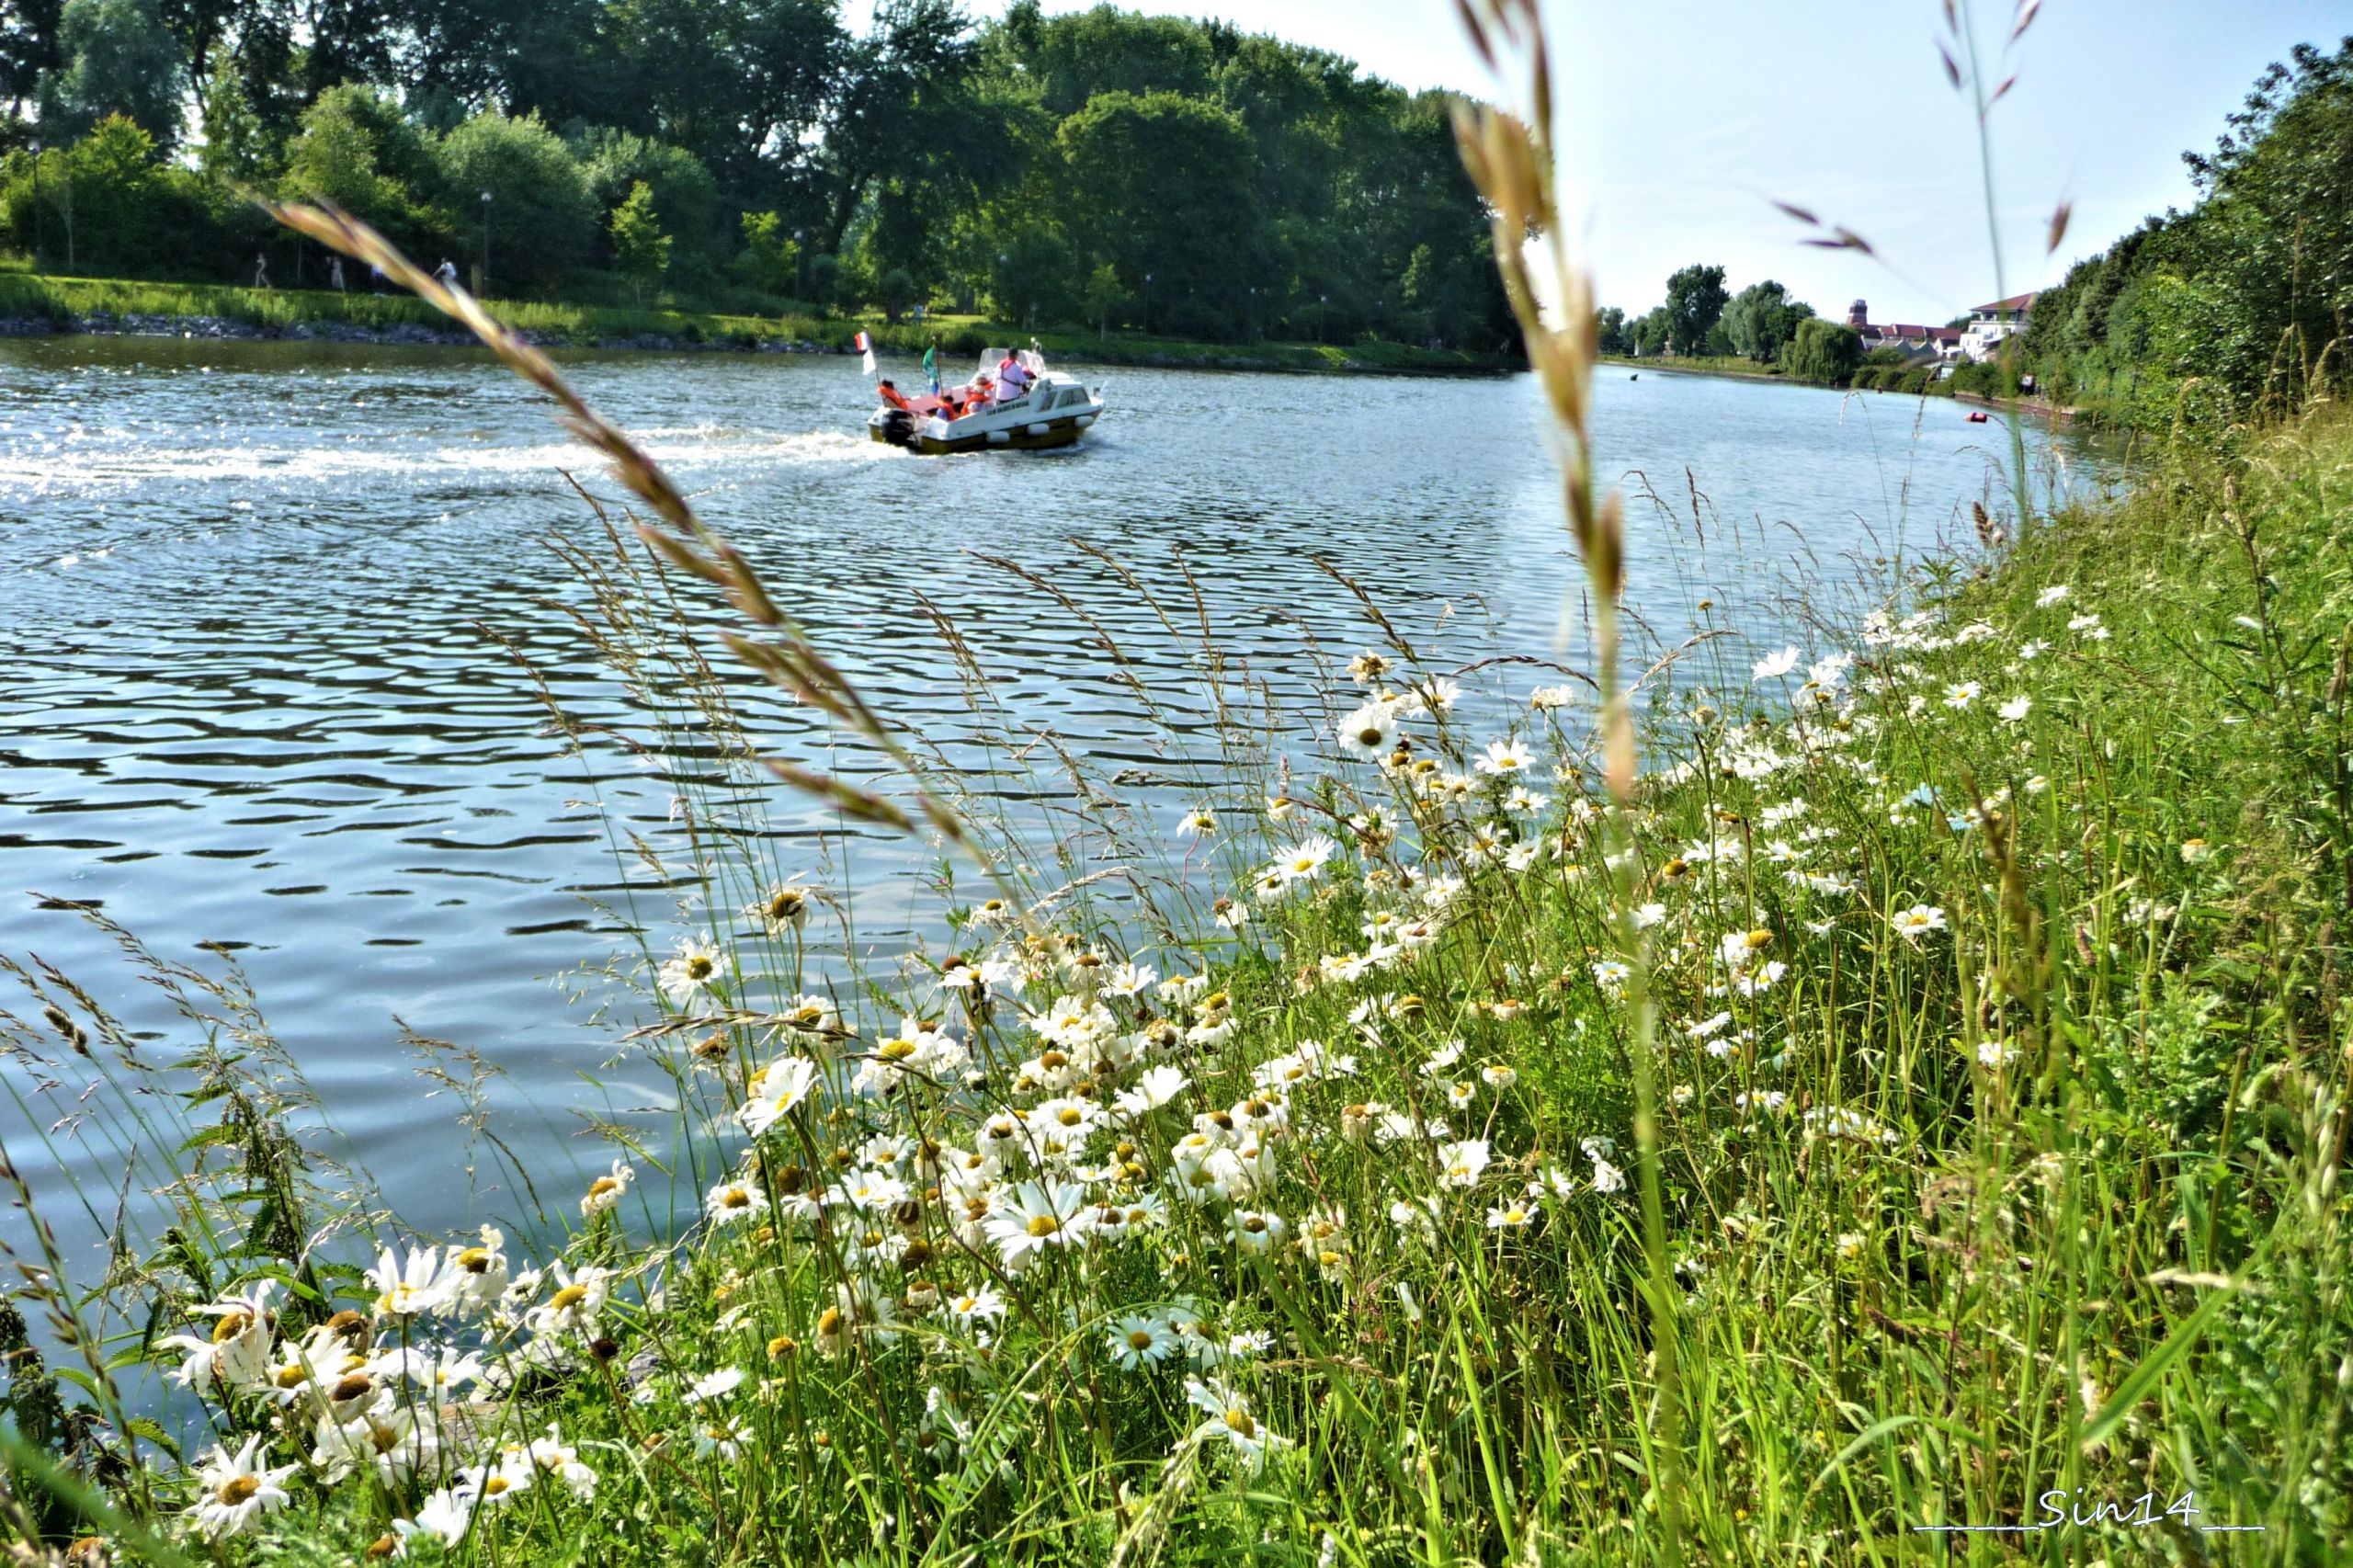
602 1186
735 1197
897 1050
231 1326
1239 1420
699 968
1140 1340
236 1489
1044 1225
569 1297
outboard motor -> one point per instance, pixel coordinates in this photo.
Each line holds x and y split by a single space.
899 429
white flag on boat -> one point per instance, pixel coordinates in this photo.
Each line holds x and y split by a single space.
866 348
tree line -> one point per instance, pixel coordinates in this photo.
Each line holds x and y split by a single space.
1763 323
2244 300
1103 168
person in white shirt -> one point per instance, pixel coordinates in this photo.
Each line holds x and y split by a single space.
1013 377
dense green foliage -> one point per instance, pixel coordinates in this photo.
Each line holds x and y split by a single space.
2248 296
1824 351
1101 168
1763 317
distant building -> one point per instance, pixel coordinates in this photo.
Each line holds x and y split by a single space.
1989 324
1909 338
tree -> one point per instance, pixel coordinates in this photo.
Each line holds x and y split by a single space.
236 148
1074 58
1650 332
1163 184
823 272
685 198
541 213
898 290
1824 351
1695 302
119 59
357 149
1761 318
770 259
1035 279
640 250
1610 332
1105 293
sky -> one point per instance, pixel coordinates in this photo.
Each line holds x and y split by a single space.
1684 120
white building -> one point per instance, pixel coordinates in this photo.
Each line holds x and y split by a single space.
1989 324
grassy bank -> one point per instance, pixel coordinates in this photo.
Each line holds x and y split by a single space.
1271 1191
66 300
1700 365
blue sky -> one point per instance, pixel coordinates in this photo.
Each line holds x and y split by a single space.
1686 115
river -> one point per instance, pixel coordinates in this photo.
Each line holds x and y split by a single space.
259 688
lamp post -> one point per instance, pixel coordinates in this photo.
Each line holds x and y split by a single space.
1147 304
481 284
799 288
40 232
1321 301
1251 321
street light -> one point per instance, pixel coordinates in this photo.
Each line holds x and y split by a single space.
1321 301
481 284
40 232
1147 304
799 288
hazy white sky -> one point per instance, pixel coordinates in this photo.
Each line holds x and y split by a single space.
1686 115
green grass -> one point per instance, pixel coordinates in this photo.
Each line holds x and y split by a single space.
1999 980
1700 364
63 300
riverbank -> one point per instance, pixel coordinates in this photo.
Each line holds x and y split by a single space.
1288 1198
1731 369
1746 371
38 305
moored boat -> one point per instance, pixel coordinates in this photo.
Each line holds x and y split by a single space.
1046 409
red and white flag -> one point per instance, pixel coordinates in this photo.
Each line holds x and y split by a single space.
866 348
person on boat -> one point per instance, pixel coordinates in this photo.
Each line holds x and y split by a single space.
1013 375
983 397
893 395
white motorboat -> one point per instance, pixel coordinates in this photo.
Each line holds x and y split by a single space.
1052 410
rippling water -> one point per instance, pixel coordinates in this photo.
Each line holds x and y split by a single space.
256 692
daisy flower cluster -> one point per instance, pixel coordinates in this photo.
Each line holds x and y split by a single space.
401 1392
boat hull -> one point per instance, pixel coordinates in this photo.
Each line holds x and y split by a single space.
1065 432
